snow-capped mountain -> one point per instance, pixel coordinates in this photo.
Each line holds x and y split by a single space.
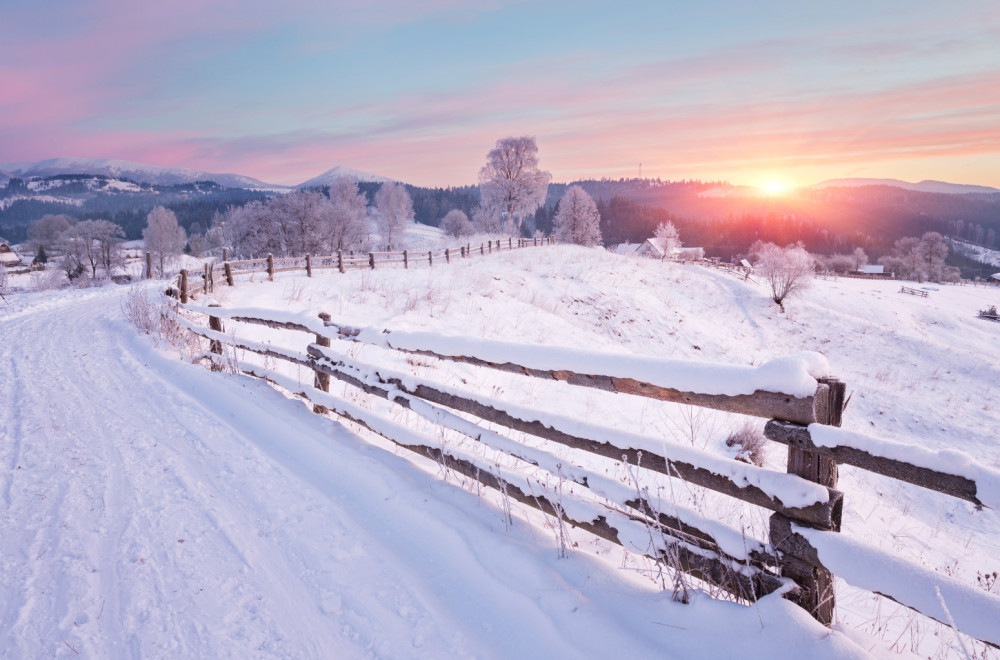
163 176
328 177
927 186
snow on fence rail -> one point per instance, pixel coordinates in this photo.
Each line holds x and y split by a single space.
804 406
189 285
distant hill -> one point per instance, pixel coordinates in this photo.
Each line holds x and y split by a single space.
338 172
138 172
927 186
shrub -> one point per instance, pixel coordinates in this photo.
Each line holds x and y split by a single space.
751 442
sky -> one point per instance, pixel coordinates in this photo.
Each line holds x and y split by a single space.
755 93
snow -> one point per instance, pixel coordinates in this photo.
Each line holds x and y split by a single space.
328 177
949 461
795 375
977 252
129 170
304 536
972 609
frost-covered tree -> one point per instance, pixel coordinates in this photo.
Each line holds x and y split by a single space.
393 209
349 217
457 224
918 258
163 237
511 185
933 251
788 271
667 238
249 231
860 258
577 220
302 219
44 232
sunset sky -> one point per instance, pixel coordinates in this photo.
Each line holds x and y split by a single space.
792 92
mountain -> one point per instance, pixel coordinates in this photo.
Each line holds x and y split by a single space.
123 169
927 186
328 177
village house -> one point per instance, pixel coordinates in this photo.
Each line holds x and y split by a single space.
8 257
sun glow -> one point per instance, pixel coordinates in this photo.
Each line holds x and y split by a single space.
774 187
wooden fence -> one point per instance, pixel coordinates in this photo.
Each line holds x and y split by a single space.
190 283
623 513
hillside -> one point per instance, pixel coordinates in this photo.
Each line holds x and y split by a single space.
154 507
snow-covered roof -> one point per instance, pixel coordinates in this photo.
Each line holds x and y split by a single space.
745 263
650 244
8 257
872 270
995 276
626 248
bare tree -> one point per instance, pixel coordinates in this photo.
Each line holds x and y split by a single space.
98 243
667 238
163 237
577 219
348 219
457 224
71 246
511 185
394 209
787 271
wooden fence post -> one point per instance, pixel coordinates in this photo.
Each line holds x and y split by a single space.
322 380
406 258
816 593
491 245
447 255
482 249
371 260
510 243
462 249
340 261
229 274
309 266
225 254
149 265
270 267
430 257
207 280
184 285
214 345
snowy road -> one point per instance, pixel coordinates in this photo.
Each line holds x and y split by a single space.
151 508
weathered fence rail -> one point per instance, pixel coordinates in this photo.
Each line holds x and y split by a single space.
191 283
804 540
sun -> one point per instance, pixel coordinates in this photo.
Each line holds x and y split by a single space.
774 187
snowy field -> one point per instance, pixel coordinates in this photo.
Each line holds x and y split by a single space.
152 508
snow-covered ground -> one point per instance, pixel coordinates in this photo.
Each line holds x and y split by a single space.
977 252
152 508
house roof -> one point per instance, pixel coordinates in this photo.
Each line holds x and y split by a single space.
995 276
626 248
651 245
872 270
8 256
